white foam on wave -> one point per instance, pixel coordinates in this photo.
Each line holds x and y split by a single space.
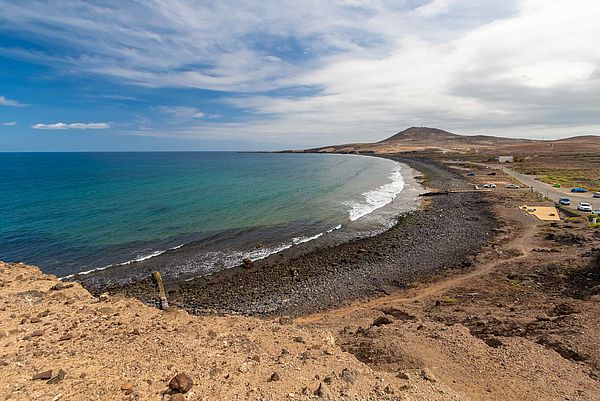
212 259
150 255
379 197
215 261
334 228
301 240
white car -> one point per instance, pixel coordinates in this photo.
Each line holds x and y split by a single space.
596 212
584 207
512 186
489 185
596 195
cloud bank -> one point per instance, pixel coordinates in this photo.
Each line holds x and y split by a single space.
313 72
71 126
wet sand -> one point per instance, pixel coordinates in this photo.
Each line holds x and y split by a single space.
429 242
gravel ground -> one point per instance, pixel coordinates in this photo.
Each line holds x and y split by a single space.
441 237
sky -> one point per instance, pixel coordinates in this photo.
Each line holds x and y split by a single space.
238 75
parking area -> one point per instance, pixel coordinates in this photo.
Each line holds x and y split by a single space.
493 177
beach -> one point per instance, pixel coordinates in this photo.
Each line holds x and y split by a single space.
505 308
441 237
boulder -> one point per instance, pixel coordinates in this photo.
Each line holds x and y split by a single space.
181 383
382 320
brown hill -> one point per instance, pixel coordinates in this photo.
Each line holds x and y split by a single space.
421 134
434 139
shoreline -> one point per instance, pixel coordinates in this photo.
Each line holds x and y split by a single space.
422 244
173 262
520 324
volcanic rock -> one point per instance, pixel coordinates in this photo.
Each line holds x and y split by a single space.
181 383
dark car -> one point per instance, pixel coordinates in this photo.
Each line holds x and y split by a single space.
492 173
470 174
578 189
564 201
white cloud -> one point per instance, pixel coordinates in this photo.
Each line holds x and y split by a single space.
367 69
182 112
71 126
9 123
182 43
8 102
433 8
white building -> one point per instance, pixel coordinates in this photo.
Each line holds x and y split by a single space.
505 159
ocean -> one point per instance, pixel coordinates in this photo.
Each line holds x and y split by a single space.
70 213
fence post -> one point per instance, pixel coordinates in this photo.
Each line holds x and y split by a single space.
164 303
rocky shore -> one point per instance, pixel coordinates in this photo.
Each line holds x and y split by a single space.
520 324
434 241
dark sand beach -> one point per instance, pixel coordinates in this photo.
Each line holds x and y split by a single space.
440 237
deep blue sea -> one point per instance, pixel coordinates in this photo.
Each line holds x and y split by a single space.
74 212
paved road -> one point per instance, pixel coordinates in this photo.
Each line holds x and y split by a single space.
554 193
545 189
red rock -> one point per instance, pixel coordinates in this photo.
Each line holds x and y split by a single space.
181 383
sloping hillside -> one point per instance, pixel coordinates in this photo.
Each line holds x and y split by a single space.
434 139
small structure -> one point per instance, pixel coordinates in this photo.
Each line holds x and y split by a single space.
544 213
505 159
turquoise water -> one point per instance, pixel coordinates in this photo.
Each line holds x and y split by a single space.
74 212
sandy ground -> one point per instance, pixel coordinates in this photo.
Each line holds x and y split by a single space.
113 348
520 324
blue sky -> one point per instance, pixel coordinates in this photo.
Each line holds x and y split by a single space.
230 75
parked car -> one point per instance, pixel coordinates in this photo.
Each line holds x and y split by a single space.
512 186
492 173
596 212
470 174
584 207
578 189
564 201
489 185
596 195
